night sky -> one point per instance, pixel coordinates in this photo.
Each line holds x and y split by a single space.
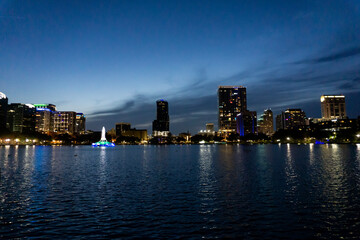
112 60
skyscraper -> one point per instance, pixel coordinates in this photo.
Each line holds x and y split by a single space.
21 118
3 111
232 101
246 123
333 106
266 123
161 124
45 118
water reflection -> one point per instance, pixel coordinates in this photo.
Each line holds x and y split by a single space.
207 191
102 167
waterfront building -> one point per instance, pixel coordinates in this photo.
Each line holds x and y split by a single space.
335 125
64 122
125 130
186 136
231 102
80 123
210 127
333 106
246 123
21 118
162 123
291 119
266 123
120 128
141 134
3 111
44 122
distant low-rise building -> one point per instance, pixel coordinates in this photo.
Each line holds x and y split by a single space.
120 128
125 130
141 134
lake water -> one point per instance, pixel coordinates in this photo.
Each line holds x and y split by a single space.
191 191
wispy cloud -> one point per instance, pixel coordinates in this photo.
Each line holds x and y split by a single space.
345 53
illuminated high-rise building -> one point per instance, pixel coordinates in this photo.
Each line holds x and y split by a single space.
266 123
291 119
162 123
64 122
232 101
45 118
21 118
3 111
80 123
246 123
333 106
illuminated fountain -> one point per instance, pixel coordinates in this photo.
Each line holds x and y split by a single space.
103 142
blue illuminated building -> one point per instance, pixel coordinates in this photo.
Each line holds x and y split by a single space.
246 123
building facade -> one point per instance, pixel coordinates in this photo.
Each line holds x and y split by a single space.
246 123
44 122
291 119
80 123
120 128
266 123
231 102
3 111
21 118
210 128
64 122
333 107
161 125
141 134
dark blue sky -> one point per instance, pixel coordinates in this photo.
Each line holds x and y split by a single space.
113 59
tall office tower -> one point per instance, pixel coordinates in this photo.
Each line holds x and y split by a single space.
122 127
291 119
64 122
80 123
246 123
21 118
161 124
266 123
333 106
45 118
3 111
232 101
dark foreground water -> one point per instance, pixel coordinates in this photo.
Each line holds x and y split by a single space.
202 191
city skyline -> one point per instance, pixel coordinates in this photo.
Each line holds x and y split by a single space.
113 60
